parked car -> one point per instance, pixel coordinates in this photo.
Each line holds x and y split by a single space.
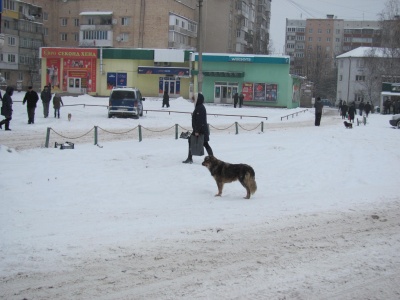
395 121
125 102
326 102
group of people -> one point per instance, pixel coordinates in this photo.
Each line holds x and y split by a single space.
31 98
349 111
391 105
238 98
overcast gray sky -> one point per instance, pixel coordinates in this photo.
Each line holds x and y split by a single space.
313 9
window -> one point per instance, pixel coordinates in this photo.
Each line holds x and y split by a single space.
76 37
328 31
90 21
291 29
360 63
319 39
300 38
124 21
337 40
310 39
11 41
6 24
9 4
45 16
310 30
176 22
45 31
183 24
20 76
358 97
7 75
360 78
63 21
319 30
63 36
11 58
96 35
76 22
328 39
124 37
337 31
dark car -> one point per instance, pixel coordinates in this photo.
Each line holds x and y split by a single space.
395 121
125 102
326 102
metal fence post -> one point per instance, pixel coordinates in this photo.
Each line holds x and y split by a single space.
262 126
176 131
140 133
47 137
236 125
95 135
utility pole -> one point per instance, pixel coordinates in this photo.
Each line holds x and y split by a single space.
200 50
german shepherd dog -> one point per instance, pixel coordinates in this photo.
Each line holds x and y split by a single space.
224 172
348 125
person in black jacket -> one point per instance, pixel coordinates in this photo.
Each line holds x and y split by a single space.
6 108
344 110
235 99
352 112
45 95
318 111
165 100
200 126
31 97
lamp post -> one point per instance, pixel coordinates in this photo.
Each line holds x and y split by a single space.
200 50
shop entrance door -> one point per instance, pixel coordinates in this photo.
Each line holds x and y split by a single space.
74 85
171 85
224 91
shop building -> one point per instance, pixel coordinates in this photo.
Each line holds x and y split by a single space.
264 80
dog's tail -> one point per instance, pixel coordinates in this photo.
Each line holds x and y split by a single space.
250 181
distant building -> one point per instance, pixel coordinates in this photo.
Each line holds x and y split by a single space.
326 38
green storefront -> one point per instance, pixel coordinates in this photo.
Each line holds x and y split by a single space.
264 80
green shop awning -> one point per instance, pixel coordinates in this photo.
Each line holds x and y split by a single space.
219 73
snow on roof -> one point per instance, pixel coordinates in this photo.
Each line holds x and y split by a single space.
363 52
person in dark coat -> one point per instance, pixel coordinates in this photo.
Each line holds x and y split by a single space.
235 99
367 109
241 97
344 110
45 95
165 100
361 107
352 112
31 97
386 105
57 102
340 106
199 126
318 111
6 108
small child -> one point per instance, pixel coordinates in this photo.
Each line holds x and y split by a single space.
57 102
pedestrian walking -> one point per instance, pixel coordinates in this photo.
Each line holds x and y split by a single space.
241 97
6 108
165 100
367 109
45 95
57 102
31 98
318 111
199 126
344 110
352 112
235 99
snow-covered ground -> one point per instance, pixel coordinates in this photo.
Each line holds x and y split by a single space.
127 220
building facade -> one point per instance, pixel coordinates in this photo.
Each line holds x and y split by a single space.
229 26
264 80
311 39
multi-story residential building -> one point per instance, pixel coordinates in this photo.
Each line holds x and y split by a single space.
326 38
229 26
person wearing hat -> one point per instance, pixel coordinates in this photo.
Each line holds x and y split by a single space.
31 98
45 95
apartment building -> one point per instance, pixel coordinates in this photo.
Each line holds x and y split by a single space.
229 26
326 38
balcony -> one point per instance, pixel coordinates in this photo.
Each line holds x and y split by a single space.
95 27
182 31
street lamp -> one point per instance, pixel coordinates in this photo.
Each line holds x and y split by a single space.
200 50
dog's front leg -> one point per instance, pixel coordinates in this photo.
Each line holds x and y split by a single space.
220 186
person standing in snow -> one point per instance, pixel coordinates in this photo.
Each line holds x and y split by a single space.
235 99
352 112
318 111
57 102
45 95
6 108
367 109
31 98
199 126
344 110
165 100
